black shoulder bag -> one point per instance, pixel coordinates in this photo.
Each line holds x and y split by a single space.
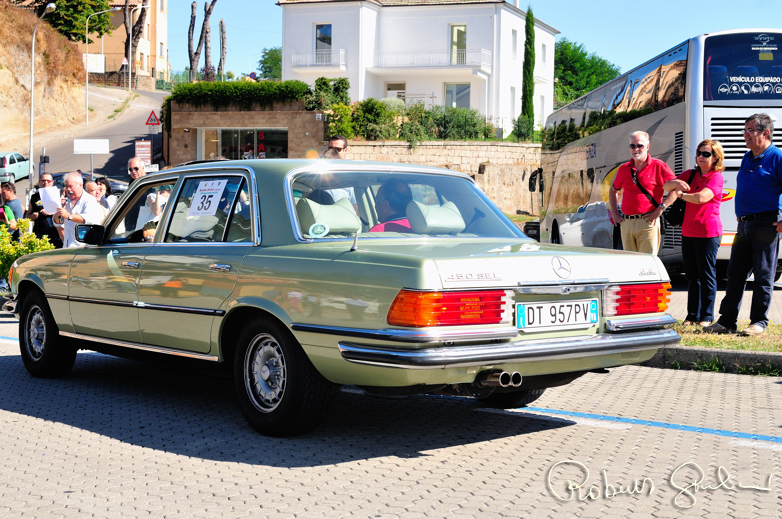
634 174
674 216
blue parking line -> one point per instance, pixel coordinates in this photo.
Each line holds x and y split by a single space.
662 425
12 339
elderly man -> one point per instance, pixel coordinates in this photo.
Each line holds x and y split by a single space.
640 182
755 248
80 208
135 169
391 204
43 225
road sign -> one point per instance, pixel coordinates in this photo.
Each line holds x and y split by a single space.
144 151
124 61
90 146
153 120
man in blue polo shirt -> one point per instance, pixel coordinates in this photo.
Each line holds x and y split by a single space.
759 211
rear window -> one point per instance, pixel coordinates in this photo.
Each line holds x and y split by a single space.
337 205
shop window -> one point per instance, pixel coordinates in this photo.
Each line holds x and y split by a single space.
246 143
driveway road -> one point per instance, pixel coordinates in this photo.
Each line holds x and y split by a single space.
119 438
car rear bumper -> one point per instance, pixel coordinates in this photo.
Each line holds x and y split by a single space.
508 352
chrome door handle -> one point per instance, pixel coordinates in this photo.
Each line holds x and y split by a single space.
220 267
131 264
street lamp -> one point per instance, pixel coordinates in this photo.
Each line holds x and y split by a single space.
49 8
87 61
130 58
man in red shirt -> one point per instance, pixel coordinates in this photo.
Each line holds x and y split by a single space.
640 216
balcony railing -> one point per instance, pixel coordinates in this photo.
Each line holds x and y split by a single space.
470 58
320 58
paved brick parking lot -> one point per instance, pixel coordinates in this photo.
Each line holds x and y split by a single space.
124 439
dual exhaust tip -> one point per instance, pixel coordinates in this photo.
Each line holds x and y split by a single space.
497 378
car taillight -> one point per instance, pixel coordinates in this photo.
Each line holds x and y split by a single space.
636 299
5 162
424 309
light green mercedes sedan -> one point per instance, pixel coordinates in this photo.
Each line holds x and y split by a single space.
301 276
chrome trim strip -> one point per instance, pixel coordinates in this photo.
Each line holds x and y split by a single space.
147 306
511 352
636 323
423 335
56 296
144 347
564 287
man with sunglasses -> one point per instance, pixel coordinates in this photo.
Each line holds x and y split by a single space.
758 205
338 144
640 183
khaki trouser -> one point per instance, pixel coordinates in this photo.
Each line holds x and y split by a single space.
641 236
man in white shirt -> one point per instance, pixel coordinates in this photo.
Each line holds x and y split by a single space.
81 208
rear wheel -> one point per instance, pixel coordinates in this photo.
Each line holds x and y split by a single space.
44 353
280 392
513 399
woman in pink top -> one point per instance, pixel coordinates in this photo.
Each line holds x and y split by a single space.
701 229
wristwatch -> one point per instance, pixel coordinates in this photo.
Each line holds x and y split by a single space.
69 217
663 205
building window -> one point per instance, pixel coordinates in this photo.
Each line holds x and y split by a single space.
141 61
514 45
162 5
543 53
161 50
458 44
396 90
513 102
245 143
323 43
457 95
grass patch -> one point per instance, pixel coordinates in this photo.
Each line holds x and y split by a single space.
713 364
769 341
521 218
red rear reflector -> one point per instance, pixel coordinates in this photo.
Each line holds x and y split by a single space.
424 309
636 299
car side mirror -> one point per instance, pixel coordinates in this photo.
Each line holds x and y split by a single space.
90 234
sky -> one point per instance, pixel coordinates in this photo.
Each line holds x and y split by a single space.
625 33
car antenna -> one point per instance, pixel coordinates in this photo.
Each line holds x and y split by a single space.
354 247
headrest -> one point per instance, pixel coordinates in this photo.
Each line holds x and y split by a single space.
434 219
340 217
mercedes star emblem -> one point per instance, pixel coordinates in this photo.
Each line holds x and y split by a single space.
561 267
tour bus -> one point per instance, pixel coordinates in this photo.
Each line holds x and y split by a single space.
703 88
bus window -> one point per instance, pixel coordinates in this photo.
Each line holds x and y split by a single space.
621 99
673 74
742 67
645 85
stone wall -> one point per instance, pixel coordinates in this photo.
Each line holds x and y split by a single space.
146 83
462 156
508 186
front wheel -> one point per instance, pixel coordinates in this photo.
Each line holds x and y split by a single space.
512 400
280 392
44 353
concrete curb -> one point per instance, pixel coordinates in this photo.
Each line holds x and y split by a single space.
734 361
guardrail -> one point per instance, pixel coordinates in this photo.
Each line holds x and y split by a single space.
319 58
474 58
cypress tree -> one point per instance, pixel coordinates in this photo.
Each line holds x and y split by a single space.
528 72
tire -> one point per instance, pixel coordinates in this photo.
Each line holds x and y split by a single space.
45 354
280 392
513 399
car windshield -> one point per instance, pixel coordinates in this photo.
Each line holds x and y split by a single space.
335 204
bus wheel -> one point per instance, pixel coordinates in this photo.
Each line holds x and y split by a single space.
555 238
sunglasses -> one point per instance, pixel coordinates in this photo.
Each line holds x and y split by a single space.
704 154
133 169
46 181
638 146
335 148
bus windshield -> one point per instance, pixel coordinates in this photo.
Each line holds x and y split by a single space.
743 66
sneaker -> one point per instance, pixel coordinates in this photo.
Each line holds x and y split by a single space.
718 328
753 329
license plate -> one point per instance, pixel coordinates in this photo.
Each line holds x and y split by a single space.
563 315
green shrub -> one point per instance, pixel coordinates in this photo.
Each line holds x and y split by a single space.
328 92
459 123
395 105
340 122
523 128
374 121
11 250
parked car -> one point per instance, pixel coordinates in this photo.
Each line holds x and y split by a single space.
13 167
297 276
118 187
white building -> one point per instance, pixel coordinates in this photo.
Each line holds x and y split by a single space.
465 53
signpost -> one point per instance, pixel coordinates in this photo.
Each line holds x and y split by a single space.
91 147
144 152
